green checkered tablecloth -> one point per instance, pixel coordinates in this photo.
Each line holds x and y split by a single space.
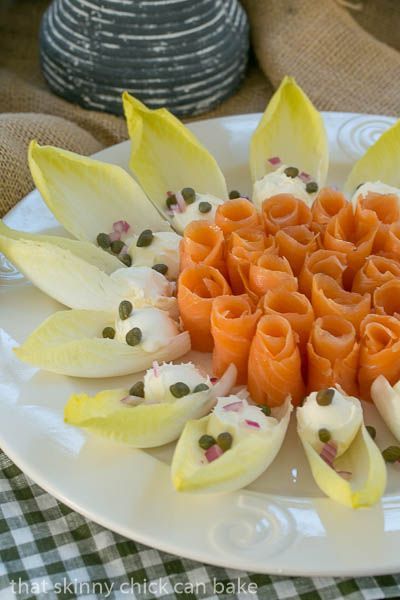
49 551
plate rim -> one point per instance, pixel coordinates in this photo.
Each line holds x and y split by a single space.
231 562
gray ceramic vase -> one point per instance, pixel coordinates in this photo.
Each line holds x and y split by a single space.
187 55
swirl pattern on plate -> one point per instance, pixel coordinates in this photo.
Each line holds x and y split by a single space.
8 273
359 132
255 525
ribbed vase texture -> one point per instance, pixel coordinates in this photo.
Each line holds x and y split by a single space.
187 55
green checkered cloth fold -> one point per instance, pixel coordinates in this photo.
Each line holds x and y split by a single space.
49 551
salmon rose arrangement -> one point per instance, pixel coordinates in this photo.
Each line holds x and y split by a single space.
293 292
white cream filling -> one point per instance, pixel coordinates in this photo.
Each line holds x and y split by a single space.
139 283
164 249
342 418
277 182
376 187
192 213
157 381
238 423
156 326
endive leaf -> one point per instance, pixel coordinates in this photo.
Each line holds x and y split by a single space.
250 456
292 129
379 163
10 240
76 283
142 426
167 156
70 343
87 196
387 401
363 460
145 425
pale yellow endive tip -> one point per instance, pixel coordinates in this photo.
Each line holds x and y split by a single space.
167 156
364 462
87 195
292 129
381 162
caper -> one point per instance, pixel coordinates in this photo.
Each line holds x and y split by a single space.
126 259
179 389
161 268
125 309
311 187
391 454
116 246
205 207
145 238
224 440
137 389
206 441
171 201
324 435
234 194
325 397
189 195
371 430
109 332
291 172
200 387
133 337
265 409
103 240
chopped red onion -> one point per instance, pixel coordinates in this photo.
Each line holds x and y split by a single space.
274 161
234 406
156 368
174 210
181 201
121 226
213 453
114 236
214 380
345 474
169 194
328 453
124 249
305 177
131 400
252 423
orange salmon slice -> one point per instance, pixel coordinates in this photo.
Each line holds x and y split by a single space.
295 243
295 307
376 271
386 299
233 325
197 288
323 261
274 363
270 272
202 243
328 298
326 205
332 353
236 214
284 210
379 351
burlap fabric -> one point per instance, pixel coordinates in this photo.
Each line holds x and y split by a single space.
345 59
339 65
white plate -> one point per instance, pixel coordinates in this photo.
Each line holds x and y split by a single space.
281 523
